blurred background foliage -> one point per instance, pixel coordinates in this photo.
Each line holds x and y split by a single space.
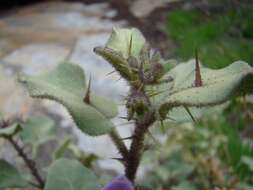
220 38
214 153
217 151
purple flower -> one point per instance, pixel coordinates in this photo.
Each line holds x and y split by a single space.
119 183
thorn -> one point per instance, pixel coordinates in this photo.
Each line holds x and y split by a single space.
127 138
86 99
126 123
156 93
123 117
198 80
119 79
140 87
162 126
189 112
147 147
170 118
126 118
130 46
123 97
122 160
72 50
110 73
153 138
141 72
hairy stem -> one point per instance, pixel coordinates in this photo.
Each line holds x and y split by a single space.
119 143
29 162
137 145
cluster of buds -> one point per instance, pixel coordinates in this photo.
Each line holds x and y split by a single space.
130 55
128 52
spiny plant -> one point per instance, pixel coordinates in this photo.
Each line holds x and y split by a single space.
158 92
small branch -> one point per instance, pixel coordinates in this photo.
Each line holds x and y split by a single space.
137 146
119 144
29 162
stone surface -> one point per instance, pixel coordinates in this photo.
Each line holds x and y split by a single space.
34 58
142 8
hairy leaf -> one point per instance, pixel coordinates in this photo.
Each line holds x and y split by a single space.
66 85
117 61
218 85
128 42
67 174
10 177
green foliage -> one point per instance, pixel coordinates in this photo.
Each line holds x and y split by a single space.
60 151
218 85
221 39
67 174
66 85
184 186
184 158
38 130
10 177
238 150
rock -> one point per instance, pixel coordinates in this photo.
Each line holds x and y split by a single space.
36 58
13 99
142 8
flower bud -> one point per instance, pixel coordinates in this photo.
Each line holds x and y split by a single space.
128 42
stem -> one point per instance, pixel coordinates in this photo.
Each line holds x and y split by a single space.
119 143
29 162
137 145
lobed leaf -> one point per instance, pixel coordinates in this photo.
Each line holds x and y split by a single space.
218 85
66 85
67 174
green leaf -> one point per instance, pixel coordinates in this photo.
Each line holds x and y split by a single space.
128 42
179 114
218 85
10 177
11 130
117 61
67 174
60 151
66 85
38 130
